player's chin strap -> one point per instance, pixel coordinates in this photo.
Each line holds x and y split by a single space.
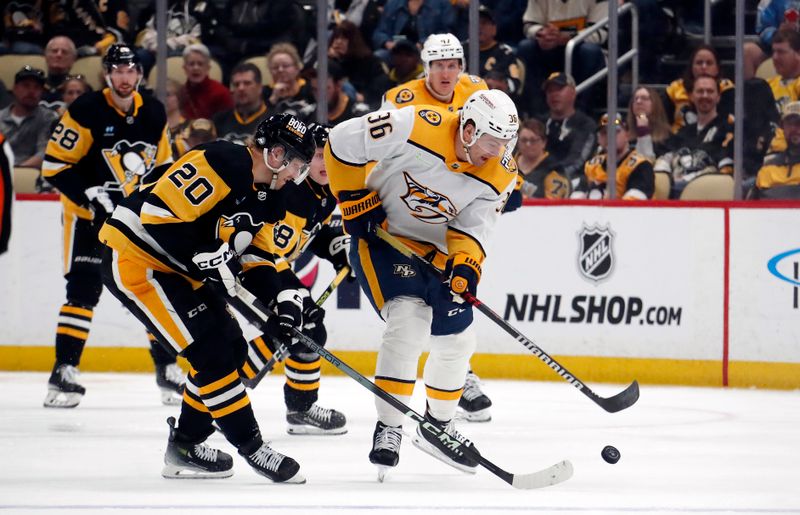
466 146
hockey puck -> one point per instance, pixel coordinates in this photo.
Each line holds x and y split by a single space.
610 454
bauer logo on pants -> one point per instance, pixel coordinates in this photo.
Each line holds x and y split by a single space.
595 257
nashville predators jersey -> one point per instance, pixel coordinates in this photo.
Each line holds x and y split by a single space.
635 178
416 92
96 144
168 221
431 198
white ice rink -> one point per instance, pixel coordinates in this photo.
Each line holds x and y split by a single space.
684 450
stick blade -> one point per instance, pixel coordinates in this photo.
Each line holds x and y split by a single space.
550 476
624 399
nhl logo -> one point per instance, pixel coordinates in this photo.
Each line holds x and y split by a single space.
595 257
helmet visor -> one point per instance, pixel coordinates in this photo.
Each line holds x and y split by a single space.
491 144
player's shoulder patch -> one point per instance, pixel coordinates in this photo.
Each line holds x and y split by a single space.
430 116
508 163
403 96
474 79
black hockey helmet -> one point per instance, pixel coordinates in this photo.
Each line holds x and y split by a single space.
319 131
120 54
290 133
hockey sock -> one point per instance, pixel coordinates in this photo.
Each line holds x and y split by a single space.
195 420
259 351
227 401
74 322
302 382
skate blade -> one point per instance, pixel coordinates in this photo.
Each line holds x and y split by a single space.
296 479
423 445
383 473
483 415
312 430
170 398
178 472
59 399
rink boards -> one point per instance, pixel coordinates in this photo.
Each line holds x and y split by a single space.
669 293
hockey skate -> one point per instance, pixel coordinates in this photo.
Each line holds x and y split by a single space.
271 464
316 421
63 390
170 381
385 451
474 404
445 448
193 459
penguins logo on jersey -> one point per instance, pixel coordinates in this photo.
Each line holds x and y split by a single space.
127 161
432 117
427 205
403 96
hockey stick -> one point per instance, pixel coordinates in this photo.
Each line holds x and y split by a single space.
255 312
618 402
282 350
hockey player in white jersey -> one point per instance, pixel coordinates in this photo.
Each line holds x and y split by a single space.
438 181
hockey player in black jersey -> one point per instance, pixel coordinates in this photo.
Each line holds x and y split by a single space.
306 227
163 255
99 151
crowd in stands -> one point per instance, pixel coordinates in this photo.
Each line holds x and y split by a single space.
246 59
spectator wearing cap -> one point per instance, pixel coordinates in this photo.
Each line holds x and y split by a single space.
239 124
405 63
413 20
780 175
199 131
25 124
203 96
59 55
548 26
570 133
496 56
340 106
635 179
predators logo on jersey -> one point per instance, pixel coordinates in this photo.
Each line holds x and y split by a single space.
127 161
432 117
427 205
403 96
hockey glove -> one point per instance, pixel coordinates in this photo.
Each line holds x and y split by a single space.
288 316
313 326
220 266
362 212
100 203
463 273
339 249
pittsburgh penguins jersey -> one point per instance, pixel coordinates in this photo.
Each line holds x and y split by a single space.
545 179
635 178
96 144
168 221
416 92
784 90
679 107
431 198
237 128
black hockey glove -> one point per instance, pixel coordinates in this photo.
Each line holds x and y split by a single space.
100 203
463 273
313 325
220 266
288 316
362 213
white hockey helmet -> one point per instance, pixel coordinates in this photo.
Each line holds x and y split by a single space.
493 113
441 46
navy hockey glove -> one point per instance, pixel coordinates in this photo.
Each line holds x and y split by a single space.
362 212
288 316
463 273
220 266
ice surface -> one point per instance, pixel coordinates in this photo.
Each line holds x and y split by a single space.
684 450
